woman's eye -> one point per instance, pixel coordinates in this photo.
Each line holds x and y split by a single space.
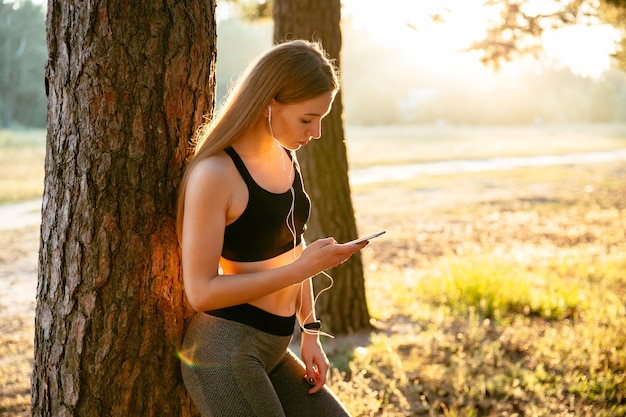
306 122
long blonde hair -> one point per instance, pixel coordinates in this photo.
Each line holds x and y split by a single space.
290 72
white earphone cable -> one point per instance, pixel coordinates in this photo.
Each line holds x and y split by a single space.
291 225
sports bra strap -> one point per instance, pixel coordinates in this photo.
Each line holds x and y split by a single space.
241 167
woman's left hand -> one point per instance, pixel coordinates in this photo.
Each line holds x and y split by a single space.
315 360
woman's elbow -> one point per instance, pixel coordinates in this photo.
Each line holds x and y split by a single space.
194 301
196 297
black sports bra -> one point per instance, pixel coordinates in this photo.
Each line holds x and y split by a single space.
261 232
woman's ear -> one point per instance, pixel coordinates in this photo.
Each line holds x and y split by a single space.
267 112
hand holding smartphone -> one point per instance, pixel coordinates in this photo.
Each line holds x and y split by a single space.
363 239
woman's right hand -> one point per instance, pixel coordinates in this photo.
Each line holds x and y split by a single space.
325 254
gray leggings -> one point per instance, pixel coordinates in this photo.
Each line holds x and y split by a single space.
233 369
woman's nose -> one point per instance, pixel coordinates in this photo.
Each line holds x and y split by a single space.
316 132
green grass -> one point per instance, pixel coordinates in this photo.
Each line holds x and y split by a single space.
495 289
478 346
495 294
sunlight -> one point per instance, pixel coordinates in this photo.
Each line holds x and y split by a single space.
585 50
455 23
437 33
429 35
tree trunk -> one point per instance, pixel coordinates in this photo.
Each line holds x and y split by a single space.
127 84
325 169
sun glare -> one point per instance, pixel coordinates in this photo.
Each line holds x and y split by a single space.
438 33
405 23
585 50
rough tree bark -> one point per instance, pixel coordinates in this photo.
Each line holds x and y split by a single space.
325 169
127 84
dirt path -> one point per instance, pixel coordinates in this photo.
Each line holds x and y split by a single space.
17 216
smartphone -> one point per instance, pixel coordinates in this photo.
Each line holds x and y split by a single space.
362 239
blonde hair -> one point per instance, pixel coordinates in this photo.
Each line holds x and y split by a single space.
290 72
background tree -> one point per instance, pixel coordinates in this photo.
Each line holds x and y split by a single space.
519 28
127 83
325 169
22 59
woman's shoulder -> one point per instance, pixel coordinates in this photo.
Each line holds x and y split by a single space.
216 169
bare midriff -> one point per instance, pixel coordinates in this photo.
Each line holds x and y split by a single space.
281 302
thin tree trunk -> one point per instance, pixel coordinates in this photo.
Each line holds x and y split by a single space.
127 84
325 169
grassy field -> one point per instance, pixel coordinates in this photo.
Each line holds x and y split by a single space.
393 145
493 294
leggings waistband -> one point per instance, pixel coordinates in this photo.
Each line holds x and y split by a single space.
257 318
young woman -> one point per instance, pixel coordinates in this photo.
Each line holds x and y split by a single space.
241 215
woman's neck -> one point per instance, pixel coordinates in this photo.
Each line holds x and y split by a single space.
257 143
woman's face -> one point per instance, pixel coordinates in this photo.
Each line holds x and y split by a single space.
295 124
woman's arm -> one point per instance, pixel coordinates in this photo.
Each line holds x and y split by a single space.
208 209
306 310
311 350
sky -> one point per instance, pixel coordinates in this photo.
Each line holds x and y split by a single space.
412 25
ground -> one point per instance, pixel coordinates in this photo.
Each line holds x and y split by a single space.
18 285
520 212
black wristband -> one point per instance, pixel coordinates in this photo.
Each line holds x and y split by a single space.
314 325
